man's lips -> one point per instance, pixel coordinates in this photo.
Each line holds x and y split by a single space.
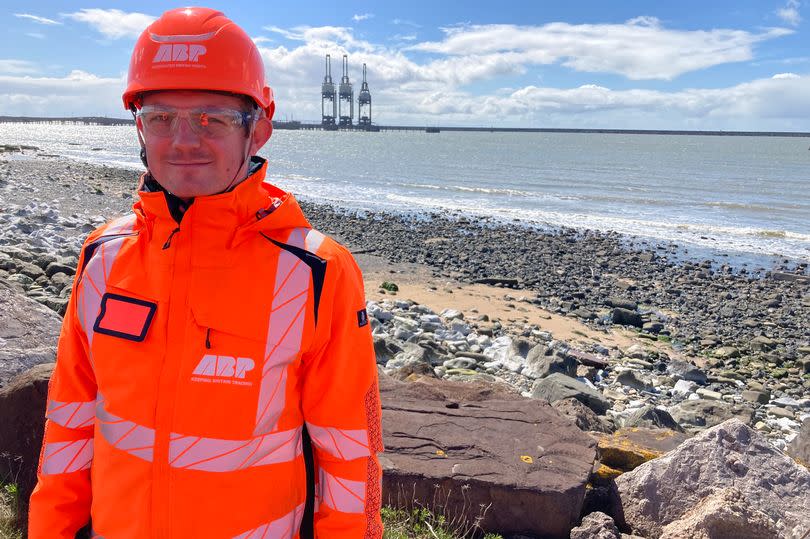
189 163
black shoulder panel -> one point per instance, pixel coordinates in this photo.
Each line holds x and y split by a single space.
316 264
90 249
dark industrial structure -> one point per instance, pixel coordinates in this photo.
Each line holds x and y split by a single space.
364 104
328 99
346 96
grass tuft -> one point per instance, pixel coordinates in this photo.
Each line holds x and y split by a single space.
421 523
9 497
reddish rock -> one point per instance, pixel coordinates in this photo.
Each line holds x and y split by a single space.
22 421
472 451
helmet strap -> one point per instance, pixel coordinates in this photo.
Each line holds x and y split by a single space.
140 139
245 158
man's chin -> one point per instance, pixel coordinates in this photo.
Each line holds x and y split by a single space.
190 184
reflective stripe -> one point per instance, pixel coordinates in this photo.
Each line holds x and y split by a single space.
94 284
73 415
284 333
66 457
122 225
340 443
218 455
286 526
342 495
308 239
128 436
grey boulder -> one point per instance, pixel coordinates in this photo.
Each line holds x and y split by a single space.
558 386
729 455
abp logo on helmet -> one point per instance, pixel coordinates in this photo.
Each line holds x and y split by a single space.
179 53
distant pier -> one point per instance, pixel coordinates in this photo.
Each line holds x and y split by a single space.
296 125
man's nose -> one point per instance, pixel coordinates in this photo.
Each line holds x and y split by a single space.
183 135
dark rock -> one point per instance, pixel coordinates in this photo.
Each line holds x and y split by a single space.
29 270
557 386
475 447
653 327
582 416
627 317
701 413
681 370
385 349
652 417
760 397
631 379
621 303
762 344
590 360
56 267
542 361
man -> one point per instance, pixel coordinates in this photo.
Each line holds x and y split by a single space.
215 374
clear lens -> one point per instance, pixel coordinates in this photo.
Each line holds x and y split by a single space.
212 123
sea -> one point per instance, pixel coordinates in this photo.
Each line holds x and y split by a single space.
740 197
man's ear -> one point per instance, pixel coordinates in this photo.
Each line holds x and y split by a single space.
261 134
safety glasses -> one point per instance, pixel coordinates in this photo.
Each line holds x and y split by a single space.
211 123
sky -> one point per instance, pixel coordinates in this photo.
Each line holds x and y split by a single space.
708 64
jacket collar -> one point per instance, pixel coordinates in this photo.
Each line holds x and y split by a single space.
252 205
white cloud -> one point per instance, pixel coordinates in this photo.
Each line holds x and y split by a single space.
17 67
405 22
37 19
262 39
446 89
113 23
638 49
363 17
35 35
77 94
409 92
790 13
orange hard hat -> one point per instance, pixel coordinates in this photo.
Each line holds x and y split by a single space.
197 48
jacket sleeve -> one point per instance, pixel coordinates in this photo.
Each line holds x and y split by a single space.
341 406
60 502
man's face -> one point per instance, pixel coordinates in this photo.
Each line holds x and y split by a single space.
189 164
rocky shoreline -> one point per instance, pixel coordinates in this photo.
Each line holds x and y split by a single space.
746 333
707 342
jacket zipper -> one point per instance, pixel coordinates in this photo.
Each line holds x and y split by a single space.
169 239
169 382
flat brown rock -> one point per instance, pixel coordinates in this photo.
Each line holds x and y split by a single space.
470 451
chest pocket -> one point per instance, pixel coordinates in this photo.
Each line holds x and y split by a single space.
128 338
227 372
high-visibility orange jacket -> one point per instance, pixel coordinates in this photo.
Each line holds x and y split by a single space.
202 368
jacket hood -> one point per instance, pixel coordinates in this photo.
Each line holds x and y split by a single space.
253 206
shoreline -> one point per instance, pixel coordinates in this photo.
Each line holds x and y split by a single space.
569 271
676 249
637 313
